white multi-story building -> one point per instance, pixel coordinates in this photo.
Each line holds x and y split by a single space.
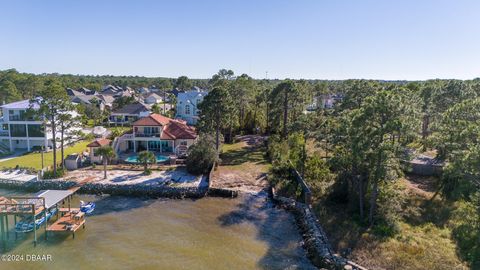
18 131
187 105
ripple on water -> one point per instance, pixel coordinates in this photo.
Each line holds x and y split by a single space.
210 233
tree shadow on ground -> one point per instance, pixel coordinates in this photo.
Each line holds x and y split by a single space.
276 228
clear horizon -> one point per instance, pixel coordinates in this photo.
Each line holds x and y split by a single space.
323 40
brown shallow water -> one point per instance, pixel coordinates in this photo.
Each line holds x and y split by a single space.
133 233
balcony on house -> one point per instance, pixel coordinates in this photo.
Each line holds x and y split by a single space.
147 132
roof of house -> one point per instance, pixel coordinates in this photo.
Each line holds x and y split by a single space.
191 95
72 92
172 128
154 95
84 98
107 98
134 108
73 156
22 104
153 119
178 130
99 143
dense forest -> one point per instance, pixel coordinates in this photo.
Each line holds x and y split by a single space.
352 154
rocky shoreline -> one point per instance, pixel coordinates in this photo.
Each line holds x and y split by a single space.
315 240
136 190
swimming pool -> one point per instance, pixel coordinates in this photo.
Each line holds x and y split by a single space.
134 159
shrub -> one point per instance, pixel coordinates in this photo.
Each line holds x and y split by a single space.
466 230
391 199
49 174
201 155
280 151
318 176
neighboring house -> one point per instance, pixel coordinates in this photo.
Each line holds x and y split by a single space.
157 133
321 102
143 90
89 100
153 98
107 99
187 105
17 131
93 146
86 97
175 92
129 113
110 90
165 107
87 91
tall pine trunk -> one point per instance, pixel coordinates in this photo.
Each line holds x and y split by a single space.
62 145
267 128
54 138
104 168
361 196
285 114
373 201
425 127
373 198
217 137
255 120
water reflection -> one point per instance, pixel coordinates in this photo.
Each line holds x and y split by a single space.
209 233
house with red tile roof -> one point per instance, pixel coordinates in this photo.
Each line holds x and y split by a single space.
157 133
93 146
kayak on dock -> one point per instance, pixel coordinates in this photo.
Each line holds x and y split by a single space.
87 208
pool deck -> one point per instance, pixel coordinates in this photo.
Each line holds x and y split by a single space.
125 155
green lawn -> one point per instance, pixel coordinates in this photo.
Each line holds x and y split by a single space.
34 160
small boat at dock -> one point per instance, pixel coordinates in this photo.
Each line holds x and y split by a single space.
26 225
87 208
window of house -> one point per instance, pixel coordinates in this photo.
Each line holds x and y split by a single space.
187 109
36 131
18 130
184 143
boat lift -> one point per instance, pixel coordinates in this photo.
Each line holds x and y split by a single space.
38 205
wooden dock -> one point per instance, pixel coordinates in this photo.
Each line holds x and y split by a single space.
70 222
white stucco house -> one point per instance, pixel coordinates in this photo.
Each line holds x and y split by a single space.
18 131
187 105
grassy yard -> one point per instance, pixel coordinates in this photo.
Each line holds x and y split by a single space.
243 166
34 160
242 155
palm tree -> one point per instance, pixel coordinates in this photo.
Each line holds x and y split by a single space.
107 153
146 157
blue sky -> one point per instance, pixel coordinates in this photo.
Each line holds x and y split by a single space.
334 39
